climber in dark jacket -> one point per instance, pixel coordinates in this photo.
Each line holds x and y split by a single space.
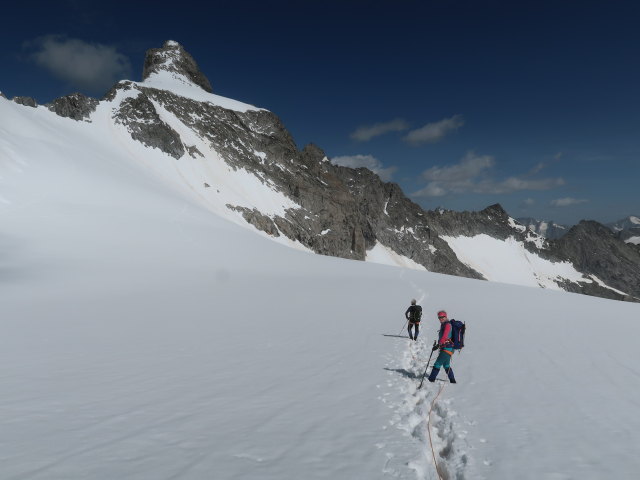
413 315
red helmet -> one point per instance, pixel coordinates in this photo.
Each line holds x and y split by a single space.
442 313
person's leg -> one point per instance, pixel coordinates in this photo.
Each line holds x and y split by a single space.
415 336
409 330
448 369
442 358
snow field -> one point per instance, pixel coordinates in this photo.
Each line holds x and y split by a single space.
144 336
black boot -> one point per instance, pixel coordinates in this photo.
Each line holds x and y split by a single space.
434 373
452 379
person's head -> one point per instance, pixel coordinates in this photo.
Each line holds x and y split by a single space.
442 316
413 301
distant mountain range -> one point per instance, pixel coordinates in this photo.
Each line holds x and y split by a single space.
546 228
627 229
241 163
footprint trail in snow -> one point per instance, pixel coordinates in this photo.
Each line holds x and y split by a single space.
411 415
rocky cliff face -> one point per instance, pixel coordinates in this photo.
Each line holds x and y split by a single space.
339 211
595 250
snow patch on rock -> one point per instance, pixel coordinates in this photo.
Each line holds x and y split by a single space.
508 261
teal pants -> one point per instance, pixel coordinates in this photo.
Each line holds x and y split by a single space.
443 360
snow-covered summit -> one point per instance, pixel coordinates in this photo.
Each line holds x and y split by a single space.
174 59
173 69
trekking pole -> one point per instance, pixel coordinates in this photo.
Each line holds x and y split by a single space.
405 324
425 368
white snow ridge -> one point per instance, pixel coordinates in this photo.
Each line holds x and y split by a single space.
146 334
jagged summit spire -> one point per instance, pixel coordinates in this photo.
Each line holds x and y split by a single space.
173 58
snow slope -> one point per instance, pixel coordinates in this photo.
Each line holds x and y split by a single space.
509 261
145 336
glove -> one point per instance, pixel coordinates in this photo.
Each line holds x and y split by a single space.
435 347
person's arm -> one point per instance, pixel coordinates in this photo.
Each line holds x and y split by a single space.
406 314
445 334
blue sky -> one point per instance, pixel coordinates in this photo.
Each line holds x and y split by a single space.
534 105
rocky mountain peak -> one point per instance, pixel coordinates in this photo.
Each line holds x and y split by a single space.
590 227
496 210
173 58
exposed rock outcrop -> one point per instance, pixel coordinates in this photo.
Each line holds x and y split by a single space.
75 106
139 115
26 101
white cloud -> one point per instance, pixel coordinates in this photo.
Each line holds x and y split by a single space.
434 132
366 161
471 175
366 133
529 201
567 201
515 184
90 66
537 168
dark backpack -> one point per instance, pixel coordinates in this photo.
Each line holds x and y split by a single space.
415 314
457 333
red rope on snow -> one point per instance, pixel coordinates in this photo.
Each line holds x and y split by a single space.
429 430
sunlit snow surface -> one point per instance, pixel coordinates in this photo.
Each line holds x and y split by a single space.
146 337
381 254
178 84
509 262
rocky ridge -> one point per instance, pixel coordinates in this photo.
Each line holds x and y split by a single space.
342 211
